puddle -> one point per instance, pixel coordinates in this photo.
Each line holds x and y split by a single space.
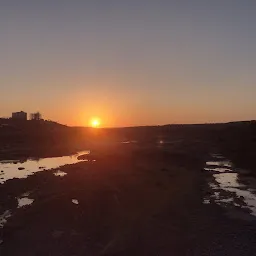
129 141
207 201
24 201
60 173
13 169
219 163
75 201
3 218
163 143
218 169
226 187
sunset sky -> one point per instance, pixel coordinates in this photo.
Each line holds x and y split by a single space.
137 62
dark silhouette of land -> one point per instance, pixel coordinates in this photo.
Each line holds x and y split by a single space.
237 140
142 196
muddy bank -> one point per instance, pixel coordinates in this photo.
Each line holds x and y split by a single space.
133 200
117 199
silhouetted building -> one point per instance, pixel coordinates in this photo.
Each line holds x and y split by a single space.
36 116
20 115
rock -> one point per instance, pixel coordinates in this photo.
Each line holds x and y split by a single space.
21 168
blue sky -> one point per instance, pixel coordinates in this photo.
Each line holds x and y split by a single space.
129 62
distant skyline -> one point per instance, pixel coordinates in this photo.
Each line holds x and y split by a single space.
129 62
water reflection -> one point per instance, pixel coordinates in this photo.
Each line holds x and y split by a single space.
13 169
24 201
217 169
129 141
75 201
227 189
60 173
4 217
222 163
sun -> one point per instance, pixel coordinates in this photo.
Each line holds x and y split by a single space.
95 123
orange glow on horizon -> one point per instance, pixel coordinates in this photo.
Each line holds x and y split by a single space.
95 122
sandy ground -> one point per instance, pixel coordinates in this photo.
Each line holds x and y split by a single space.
133 200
